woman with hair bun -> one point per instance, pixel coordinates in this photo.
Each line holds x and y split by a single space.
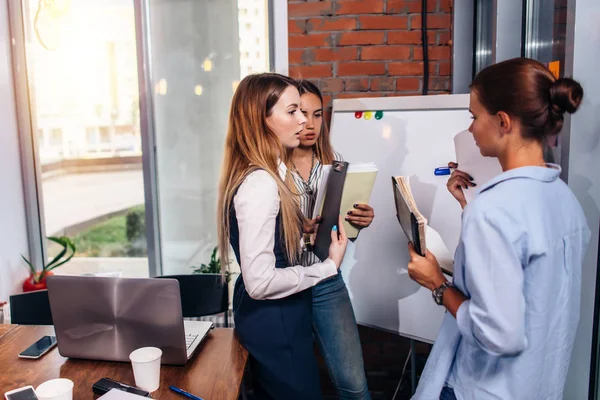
514 300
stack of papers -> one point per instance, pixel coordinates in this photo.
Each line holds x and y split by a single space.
116 394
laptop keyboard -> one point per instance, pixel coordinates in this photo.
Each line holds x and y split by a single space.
190 339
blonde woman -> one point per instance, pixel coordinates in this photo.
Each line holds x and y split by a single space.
260 217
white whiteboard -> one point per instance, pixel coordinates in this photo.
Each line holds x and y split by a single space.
414 136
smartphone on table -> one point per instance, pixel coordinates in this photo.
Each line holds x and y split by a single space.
24 393
39 348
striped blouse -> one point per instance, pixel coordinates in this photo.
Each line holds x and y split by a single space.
307 200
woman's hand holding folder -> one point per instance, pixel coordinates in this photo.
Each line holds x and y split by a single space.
339 241
426 271
361 216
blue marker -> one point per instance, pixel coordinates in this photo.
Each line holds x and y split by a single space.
184 393
441 171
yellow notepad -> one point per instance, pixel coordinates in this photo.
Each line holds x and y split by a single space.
358 187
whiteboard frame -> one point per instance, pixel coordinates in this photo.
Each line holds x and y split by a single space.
405 103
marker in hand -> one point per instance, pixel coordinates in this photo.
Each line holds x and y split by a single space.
441 171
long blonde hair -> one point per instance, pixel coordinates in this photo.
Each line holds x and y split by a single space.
251 145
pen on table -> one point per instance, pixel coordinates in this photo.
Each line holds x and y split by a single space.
184 393
440 171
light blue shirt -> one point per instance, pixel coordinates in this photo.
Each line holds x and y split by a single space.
518 261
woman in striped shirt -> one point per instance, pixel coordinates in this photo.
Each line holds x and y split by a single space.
334 324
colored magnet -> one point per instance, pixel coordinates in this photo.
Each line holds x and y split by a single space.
368 115
358 115
378 114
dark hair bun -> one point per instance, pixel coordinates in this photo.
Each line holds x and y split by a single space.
565 96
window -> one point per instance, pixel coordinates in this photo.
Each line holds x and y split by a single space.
83 82
190 128
56 138
82 76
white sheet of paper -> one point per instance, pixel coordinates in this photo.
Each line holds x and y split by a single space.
116 394
470 160
321 191
438 248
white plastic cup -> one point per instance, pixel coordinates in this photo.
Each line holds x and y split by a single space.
55 389
146 367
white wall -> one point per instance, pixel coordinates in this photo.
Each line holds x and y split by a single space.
13 228
584 180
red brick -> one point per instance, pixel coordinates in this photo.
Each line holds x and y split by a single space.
434 53
445 6
383 84
361 68
365 333
400 94
333 85
439 83
359 7
372 355
383 22
385 53
297 26
295 56
397 350
336 54
357 85
379 336
444 69
443 38
312 40
311 71
310 9
408 84
433 21
408 6
330 24
361 38
405 68
350 95
409 37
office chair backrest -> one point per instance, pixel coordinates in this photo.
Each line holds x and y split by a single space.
202 294
32 308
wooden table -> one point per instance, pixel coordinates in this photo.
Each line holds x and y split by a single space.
214 372
5 328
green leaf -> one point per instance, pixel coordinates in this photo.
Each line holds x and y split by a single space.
58 256
68 245
31 267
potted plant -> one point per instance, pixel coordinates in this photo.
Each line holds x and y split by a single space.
213 266
37 279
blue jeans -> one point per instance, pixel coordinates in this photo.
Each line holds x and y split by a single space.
334 326
447 394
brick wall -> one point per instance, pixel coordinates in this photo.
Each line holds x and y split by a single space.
368 48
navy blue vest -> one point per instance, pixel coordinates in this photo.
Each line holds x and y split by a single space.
277 333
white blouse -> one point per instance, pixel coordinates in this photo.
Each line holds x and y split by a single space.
257 206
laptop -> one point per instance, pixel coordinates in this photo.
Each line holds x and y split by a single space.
103 318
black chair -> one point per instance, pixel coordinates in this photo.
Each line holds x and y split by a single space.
31 308
203 294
